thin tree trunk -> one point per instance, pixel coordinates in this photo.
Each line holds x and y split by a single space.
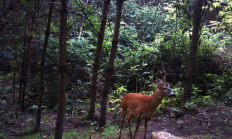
43 58
26 66
15 49
22 71
109 69
62 69
97 59
193 51
14 85
29 38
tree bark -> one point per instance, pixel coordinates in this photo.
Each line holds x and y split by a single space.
62 69
28 42
193 51
109 69
27 61
14 84
97 59
22 71
43 59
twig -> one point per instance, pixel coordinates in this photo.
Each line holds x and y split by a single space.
106 124
226 120
104 79
16 115
9 8
205 114
186 119
136 85
185 10
228 85
72 116
86 17
52 122
145 84
200 119
129 78
53 5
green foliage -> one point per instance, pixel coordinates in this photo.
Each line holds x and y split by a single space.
179 122
30 130
78 107
70 135
219 86
176 112
227 97
10 76
225 13
33 108
111 131
204 100
150 33
37 136
119 92
2 136
190 106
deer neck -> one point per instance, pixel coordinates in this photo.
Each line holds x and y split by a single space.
156 98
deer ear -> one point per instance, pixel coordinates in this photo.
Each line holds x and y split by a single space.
158 80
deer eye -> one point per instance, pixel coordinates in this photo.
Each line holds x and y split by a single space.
165 88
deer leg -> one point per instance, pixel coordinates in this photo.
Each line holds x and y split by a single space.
123 117
137 126
145 127
129 124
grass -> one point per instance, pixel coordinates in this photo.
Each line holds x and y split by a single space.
111 131
35 136
207 136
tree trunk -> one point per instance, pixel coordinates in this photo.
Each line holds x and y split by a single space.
43 58
27 61
109 69
14 84
29 37
193 51
22 71
62 69
97 59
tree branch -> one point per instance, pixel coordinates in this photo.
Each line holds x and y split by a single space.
9 8
86 17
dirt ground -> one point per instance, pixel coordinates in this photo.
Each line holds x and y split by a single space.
206 122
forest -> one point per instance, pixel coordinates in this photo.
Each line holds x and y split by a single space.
66 65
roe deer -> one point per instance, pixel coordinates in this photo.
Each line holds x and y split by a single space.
143 106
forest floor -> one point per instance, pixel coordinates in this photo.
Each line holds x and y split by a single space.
208 122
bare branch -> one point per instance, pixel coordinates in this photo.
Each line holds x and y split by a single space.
86 17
